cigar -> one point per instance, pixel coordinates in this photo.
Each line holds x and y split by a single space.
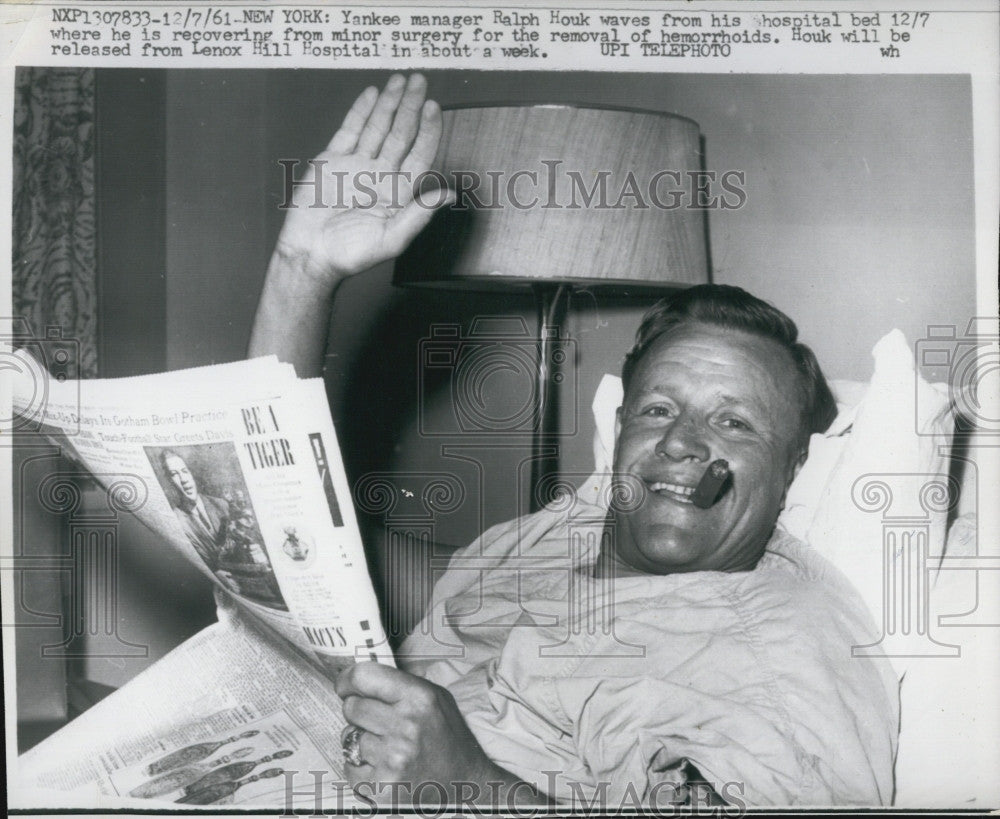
707 491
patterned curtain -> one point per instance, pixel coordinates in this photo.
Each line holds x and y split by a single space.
54 242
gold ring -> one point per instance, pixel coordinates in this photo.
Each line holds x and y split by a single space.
351 744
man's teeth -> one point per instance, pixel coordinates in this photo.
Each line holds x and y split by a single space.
677 489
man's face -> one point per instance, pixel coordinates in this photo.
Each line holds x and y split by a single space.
181 477
700 393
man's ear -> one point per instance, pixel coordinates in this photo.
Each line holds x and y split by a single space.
796 468
799 463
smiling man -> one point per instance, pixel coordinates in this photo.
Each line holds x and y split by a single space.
715 373
647 651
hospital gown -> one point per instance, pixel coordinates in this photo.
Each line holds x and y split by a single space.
598 690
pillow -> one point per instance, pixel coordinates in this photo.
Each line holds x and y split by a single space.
607 399
896 429
892 466
804 494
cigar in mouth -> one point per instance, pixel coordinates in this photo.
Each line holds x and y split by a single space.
707 491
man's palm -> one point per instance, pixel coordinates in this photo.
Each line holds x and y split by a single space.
368 212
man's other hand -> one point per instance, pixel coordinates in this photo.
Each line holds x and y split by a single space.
413 732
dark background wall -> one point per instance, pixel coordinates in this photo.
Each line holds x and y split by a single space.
859 219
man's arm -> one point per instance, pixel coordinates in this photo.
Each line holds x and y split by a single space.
414 731
385 142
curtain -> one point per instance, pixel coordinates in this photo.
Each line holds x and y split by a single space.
54 241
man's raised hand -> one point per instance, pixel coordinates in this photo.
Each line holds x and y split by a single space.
370 209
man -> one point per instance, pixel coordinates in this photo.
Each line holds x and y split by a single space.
721 652
203 518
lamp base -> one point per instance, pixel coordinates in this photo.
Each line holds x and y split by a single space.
551 305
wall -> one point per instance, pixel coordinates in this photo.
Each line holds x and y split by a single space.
858 219
215 213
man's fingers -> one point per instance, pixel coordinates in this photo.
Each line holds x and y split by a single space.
371 747
355 774
406 122
372 716
425 146
346 139
380 682
380 119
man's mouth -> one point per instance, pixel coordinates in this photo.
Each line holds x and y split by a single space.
675 491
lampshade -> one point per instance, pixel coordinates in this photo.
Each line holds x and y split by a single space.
595 197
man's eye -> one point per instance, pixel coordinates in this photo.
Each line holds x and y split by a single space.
658 411
737 424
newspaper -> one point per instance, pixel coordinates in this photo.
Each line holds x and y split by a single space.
236 467
229 717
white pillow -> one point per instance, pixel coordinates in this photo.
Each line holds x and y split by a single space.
892 466
825 450
607 400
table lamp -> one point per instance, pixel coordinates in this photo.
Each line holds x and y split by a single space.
557 197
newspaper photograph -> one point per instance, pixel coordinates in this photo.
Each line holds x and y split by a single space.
421 408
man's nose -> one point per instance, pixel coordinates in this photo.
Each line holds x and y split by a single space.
684 439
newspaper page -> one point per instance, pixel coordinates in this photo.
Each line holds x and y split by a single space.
242 710
847 165
245 481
